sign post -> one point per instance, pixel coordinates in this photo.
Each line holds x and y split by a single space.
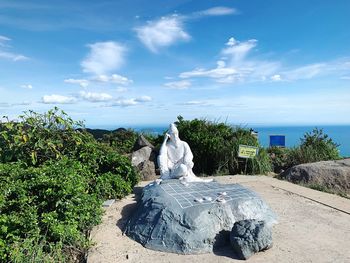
246 152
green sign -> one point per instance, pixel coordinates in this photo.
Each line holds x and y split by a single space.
245 151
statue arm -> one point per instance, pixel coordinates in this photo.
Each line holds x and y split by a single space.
163 148
188 156
163 158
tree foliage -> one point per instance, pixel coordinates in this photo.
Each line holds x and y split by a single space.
215 147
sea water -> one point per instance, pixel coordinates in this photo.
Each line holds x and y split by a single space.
293 134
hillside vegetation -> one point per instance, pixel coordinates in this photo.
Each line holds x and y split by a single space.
54 179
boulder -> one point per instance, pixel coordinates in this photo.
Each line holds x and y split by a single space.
249 237
192 218
143 160
142 142
328 175
141 155
147 170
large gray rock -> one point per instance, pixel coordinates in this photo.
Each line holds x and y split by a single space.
332 175
141 155
249 237
147 170
173 217
142 142
143 161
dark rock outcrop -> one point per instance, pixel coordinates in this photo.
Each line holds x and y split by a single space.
147 170
249 237
141 155
143 158
142 142
328 175
143 161
193 218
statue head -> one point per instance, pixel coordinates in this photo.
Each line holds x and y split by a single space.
173 132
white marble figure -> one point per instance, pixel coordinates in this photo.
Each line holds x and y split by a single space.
175 158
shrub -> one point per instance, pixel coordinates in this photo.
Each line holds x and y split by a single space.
51 202
215 147
278 156
37 137
122 140
53 179
315 146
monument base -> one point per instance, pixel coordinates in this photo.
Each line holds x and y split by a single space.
193 218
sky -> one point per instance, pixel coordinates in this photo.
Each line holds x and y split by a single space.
137 62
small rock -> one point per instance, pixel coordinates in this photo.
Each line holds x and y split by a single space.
249 237
108 203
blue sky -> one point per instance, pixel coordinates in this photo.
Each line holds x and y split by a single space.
126 63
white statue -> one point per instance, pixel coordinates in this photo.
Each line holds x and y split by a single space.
175 158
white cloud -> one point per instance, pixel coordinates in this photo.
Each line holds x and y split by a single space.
12 56
5 54
122 89
221 72
143 99
27 86
182 84
24 103
95 97
235 66
8 105
131 102
57 99
238 50
305 72
218 72
114 78
217 11
4 40
195 103
276 77
81 82
162 33
125 102
103 57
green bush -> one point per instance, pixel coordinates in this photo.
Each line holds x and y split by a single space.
122 140
215 147
278 156
51 202
37 137
53 179
315 146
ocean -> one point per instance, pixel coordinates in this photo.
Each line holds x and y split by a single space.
293 134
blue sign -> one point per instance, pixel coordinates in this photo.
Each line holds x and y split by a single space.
278 140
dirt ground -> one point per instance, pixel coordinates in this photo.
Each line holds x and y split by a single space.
313 227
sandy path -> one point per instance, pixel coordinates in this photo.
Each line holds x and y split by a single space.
308 231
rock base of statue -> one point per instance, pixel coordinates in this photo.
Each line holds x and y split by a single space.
192 218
